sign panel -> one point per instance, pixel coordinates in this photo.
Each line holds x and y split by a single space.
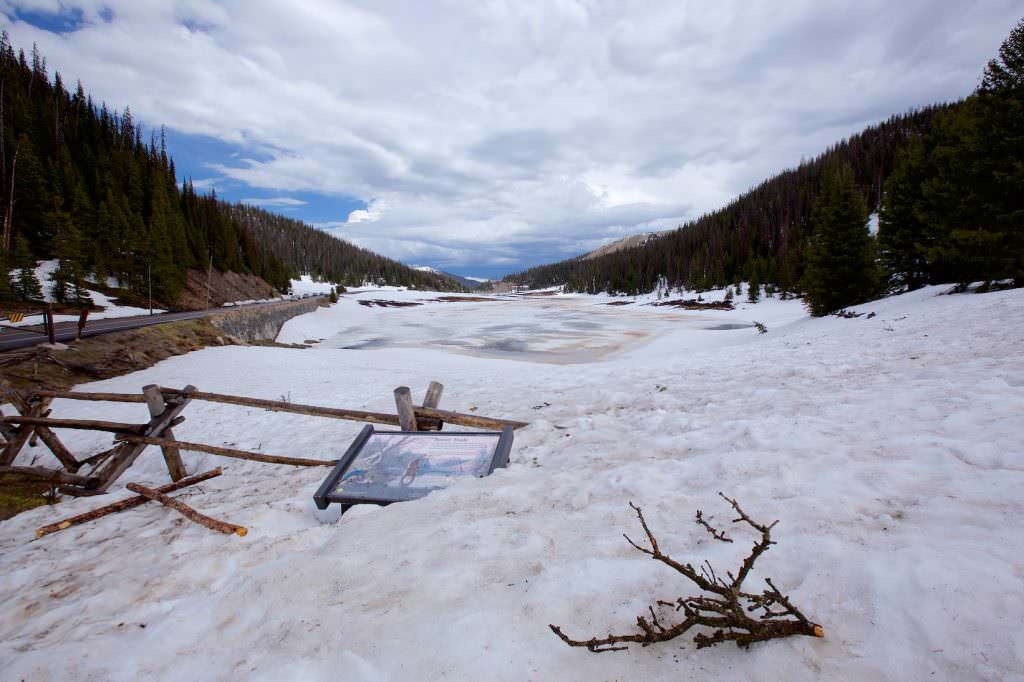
382 467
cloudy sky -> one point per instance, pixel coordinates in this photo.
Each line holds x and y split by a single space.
483 136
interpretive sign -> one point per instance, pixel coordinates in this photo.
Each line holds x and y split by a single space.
381 467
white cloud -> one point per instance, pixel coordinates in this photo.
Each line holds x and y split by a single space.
371 214
274 201
494 131
204 184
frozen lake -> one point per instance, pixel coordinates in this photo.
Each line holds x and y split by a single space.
546 329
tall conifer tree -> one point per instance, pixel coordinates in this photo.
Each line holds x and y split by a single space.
841 270
904 237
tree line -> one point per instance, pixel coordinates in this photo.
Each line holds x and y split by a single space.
763 234
946 180
954 205
81 184
309 250
952 210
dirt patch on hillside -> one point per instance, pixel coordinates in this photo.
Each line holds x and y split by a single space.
224 287
106 356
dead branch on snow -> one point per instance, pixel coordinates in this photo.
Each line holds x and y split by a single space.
726 607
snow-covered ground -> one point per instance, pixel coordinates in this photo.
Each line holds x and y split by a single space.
44 270
889 448
305 285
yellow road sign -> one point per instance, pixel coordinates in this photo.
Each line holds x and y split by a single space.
16 317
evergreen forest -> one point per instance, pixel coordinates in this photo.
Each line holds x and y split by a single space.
947 182
83 184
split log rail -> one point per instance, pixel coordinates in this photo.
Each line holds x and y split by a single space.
165 406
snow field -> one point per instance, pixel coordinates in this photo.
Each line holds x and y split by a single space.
889 449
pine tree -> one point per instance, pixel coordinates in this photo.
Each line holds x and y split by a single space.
841 270
69 277
26 285
754 288
904 237
971 199
32 198
1001 136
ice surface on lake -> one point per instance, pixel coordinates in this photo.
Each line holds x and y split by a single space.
555 329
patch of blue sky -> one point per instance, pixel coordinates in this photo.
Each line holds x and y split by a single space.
63 21
199 156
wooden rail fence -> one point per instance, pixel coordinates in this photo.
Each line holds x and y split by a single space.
165 407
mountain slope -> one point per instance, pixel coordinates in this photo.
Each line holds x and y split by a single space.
81 184
762 233
467 282
305 249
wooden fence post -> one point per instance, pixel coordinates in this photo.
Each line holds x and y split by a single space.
50 331
406 413
157 406
433 396
432 399
25 431
127 453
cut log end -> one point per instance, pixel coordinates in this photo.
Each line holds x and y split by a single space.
819 631
243 531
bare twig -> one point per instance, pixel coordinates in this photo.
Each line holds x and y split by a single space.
725 609
715 533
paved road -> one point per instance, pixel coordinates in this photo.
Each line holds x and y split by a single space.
10 339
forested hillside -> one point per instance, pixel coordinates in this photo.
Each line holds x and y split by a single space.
947 181
84 185
762 235
309 250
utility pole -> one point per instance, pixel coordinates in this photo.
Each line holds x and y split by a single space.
149 276
209 276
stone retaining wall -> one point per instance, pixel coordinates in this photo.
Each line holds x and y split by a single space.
263 323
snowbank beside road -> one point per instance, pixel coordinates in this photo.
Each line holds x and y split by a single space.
44 271
889 448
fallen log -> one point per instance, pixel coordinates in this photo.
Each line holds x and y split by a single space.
53 476
127 503
187 511
84 424
227 452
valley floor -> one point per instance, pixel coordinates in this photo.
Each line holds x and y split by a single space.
890 449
